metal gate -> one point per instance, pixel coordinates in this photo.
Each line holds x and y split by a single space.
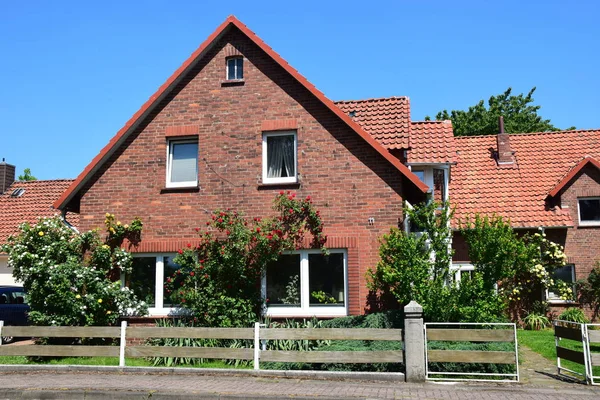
579 338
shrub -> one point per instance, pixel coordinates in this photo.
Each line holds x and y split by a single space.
589 290
573 314
219 280
72 278
536 322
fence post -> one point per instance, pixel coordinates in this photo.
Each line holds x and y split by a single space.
256 345
1 326
122 344
414 343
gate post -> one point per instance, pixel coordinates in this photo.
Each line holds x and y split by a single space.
414 343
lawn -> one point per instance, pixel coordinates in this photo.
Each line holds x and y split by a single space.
542 342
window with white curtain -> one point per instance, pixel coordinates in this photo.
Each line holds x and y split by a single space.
279 157
182 163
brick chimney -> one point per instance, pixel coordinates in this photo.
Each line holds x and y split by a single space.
7 175
505 153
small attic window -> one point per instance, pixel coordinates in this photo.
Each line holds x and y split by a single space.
352 114
235 68
18 192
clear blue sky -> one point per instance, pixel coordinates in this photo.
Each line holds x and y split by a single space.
72 72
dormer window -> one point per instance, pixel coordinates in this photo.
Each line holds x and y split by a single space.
235 68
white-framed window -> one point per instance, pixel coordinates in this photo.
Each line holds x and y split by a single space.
182 163
148 278
235 68
567 275
462 272
280 157
307 283
589 210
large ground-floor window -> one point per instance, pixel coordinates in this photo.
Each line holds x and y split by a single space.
148 278
307 283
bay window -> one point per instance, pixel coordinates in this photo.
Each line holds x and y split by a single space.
307 283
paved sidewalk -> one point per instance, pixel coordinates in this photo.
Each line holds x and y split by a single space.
31 384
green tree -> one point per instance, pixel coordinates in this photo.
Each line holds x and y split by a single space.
27 176
519 112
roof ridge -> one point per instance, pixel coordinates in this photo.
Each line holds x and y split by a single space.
532 133
445 121
372 99
46 180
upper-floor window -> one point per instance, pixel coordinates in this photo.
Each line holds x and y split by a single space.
235 68
182 163
279 157
589 211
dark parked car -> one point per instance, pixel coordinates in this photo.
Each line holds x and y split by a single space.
13 307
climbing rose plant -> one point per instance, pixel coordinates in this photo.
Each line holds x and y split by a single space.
219 282
72 278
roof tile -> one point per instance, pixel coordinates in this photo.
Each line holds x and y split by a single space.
35 202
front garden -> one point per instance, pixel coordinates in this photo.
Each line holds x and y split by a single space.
76 280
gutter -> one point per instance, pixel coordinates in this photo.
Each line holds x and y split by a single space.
63 218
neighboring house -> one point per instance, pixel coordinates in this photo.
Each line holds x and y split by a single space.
231 128
24 202
539 181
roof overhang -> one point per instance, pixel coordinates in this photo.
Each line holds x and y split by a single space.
572 173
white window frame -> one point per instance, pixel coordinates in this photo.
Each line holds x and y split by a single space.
305 310
457 268
235 72
265 167
159 289
557 300
171 143
586 223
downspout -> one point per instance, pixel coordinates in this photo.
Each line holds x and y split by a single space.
63 218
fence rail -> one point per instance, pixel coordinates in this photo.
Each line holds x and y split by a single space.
506 333
257 336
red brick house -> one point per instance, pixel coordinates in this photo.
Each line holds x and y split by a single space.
231 128
546 181
24 202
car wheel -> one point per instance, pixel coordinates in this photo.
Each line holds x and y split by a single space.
7 339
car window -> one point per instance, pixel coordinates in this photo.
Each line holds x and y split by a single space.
13 297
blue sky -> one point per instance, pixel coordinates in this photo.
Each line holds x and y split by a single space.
73 72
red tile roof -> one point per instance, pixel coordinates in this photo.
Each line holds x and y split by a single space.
386 119
181 72
431 142
518 191
36 201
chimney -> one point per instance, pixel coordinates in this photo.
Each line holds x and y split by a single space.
7 175
505 153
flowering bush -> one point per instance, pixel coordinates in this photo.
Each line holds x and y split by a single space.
219 281
521 266
69 277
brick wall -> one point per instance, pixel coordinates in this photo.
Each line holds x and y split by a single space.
348 180
582 243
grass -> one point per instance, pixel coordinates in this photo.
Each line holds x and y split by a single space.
542 342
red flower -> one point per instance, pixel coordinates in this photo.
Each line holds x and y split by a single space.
201 266
168 279
201 261
220 220
183 300
258 230
207 223
189 245
293 194
222 214
198 229
291 210
180 251
281 193
227 232
206 276
307 198
192 273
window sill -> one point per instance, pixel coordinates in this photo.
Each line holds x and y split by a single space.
184 189
283 185
233 82
562 302
589 224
